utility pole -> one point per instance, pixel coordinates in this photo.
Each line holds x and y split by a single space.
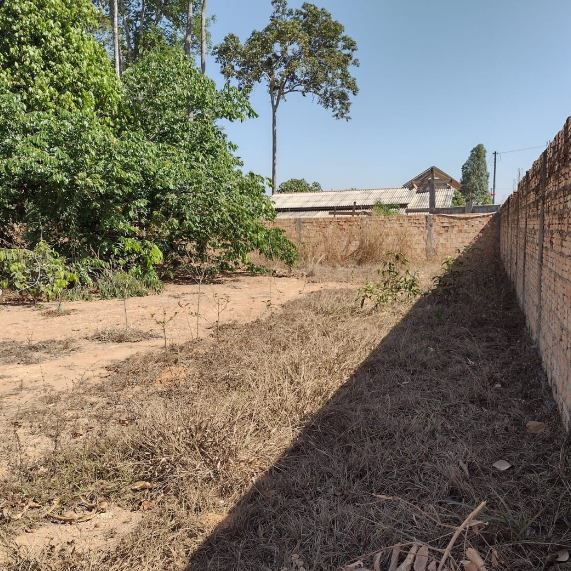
494 186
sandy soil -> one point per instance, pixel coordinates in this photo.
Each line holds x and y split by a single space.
238 299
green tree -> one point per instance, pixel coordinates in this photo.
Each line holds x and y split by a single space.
475 177
299 185
146 24
300 51
50 59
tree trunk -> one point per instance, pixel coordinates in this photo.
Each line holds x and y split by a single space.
188 36
116 54
140 31
203 37
127 28
274 146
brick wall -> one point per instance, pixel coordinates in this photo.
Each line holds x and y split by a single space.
367 238
535 244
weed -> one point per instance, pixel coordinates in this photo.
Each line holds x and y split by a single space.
397 282
164 322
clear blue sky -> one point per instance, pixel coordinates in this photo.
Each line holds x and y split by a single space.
436 78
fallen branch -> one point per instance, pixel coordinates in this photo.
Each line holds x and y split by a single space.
457 533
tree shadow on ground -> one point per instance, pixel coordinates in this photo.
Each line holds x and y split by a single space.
445 395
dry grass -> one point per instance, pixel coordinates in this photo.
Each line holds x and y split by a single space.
277 440
121 335
30 353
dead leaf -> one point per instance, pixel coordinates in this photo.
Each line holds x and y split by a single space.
502 465
406 565
141 485
395 557
421 560
562 555
377 561
297 560
358 565
534 427
147 505
495 561
464 467
476 559
433 566
34 505
469 566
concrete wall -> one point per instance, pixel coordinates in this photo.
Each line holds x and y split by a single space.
367 238
535 243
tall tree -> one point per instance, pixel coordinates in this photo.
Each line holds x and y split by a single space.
115 24
147 23
300 51
188 36
475 177
203 36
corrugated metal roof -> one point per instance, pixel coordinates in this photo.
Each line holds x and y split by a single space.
342 198
443 199
320 214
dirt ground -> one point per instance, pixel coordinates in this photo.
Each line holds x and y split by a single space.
316 435
73 356
45 352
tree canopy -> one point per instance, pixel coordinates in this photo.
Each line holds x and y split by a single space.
300 51
114 170
475 177
50 59
298 185
145 25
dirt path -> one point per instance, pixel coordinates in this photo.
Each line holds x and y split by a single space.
65 354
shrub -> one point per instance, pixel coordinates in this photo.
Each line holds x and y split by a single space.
397 282
39 272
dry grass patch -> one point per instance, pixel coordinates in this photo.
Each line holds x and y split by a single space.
121 335
30 353
325 434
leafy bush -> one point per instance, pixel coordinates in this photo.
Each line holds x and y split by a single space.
123 284
39 272
397 282
386 209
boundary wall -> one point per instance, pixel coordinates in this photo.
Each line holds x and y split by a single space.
367 238
535 245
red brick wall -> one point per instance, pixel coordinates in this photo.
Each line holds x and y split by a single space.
535 244
367 238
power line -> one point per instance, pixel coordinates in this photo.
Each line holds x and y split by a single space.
519 150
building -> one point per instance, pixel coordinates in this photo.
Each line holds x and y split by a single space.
412 197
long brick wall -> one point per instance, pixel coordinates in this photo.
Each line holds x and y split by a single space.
367 238
535 244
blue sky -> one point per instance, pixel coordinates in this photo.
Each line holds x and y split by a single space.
436 78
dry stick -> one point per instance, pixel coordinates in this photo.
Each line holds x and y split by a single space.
396 498
460 529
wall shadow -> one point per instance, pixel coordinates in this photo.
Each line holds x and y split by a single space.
446 394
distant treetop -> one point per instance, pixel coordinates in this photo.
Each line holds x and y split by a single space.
298 185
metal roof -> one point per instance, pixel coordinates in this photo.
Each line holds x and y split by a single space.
443 199
342 199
